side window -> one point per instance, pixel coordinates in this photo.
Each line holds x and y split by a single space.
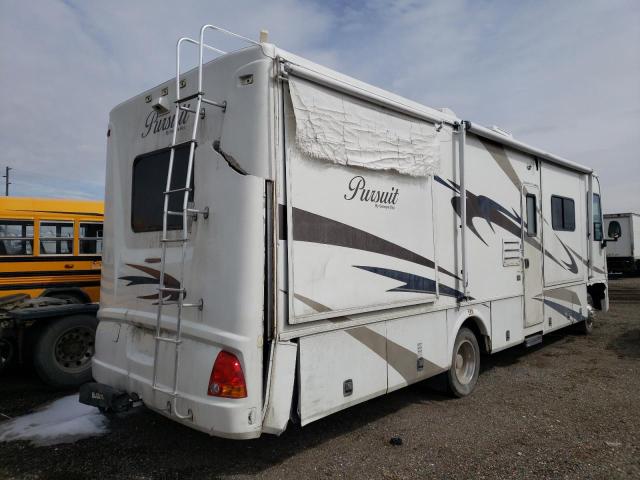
16 237
90 238
563 213
56 238
532 218
597 218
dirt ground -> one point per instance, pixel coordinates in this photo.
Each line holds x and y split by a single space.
567 409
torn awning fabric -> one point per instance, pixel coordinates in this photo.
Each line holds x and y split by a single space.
345 130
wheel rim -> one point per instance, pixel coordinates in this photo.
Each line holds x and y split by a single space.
74 348
465 362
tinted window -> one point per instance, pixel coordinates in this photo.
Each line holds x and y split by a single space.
563 213
556 213
90 239
149 181
16 237
532 220
597 218
56 238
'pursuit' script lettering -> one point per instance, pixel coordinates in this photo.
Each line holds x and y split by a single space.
358 188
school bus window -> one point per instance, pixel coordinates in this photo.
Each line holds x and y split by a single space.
56 238
16 237
90 238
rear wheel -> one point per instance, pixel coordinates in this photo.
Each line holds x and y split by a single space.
465 364
62 356
586 326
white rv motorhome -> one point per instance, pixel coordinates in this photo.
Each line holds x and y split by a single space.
283 240
623 255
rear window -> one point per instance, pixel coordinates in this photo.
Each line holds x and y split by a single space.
149 181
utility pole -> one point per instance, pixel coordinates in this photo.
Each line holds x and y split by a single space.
6 180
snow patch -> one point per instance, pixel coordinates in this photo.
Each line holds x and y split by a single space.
65 420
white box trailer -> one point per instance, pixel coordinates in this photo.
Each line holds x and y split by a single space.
281 239
623 255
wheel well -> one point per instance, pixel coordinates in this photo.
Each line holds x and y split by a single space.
597 292
473 324
74 291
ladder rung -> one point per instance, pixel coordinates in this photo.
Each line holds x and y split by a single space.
164 390
187 109
189 97
168 340
173 240
170 289
178 190
175 214
198 305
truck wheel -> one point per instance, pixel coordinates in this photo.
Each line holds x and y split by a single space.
7 352
68 296
63 351
465 364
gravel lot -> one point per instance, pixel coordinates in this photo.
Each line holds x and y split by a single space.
567 409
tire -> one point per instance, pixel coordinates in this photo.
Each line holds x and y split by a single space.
586 326
63 351
465 364
73 298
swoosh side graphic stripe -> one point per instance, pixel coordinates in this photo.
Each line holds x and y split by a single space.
313 228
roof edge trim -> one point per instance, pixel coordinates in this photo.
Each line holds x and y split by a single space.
523 147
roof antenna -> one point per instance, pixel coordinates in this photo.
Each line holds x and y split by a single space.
264 36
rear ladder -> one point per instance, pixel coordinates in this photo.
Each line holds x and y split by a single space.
177 295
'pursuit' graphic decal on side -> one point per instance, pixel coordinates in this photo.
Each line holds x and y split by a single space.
566 311
413 283
479 206
400 358
310 227
153 279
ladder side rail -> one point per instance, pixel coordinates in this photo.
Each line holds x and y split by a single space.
198 44
163 259
221 30
185 234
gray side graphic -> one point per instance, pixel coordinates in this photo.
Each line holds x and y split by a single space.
401 359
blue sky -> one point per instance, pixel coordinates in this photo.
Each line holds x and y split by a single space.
561 75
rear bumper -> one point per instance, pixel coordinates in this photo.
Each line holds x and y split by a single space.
124 362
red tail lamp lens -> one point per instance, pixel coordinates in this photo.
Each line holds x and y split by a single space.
227 378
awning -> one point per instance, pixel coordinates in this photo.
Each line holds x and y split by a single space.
338 128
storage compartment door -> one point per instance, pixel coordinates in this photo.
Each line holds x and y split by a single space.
341 368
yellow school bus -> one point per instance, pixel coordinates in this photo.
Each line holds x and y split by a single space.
51 247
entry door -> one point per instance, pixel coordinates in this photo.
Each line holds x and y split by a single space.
532 254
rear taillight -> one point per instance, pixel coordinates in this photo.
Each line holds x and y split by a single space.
227 378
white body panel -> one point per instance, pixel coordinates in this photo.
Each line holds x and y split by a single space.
318 272
629 242
623 253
